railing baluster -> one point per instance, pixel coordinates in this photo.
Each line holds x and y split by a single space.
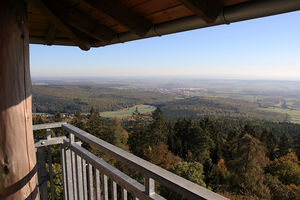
42 173
79 177
105 187
123 194
63 169
48 135
84 179
75 175
72 140
98 185
114 192
149 186
91 185
69 173
135 198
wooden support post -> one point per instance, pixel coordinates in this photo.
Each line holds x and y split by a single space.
17 153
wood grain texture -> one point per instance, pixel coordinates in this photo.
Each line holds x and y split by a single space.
119 12
208 10
17 154
57 12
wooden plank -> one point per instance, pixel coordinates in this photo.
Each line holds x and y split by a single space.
154 6
17 153
50 36
208 10
42 173
85 190
170 14
48 126
114 191
98 185
69 175
123 15
90 180
88 26
56 12
64 172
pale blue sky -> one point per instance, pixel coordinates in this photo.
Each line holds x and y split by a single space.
265 48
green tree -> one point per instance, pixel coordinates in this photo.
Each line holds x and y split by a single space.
58 117
213 128
94 123
283 145
158 129
297 145
270 142
78 121
192 171
137 141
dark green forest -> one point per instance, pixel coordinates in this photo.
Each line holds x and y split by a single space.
216 107
237 158
70 98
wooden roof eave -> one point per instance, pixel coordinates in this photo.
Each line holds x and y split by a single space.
230 14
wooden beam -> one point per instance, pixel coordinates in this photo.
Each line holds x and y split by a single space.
50 37
119 12
58 15
17 152
88 26
208 10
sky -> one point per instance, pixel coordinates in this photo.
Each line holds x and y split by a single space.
265 48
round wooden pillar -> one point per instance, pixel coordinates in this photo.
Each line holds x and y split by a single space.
17 154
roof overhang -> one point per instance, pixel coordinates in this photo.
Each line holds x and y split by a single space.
94 23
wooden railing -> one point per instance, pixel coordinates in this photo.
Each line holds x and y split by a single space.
86 176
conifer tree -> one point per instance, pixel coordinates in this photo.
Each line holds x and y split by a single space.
136 140
283 146
270 142
158 129
94 123
297 145
78 121
58 117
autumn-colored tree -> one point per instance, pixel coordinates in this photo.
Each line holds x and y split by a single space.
218 176
161 156
247 168
115 134
280 190
286 169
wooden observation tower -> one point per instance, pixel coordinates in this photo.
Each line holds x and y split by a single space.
86 24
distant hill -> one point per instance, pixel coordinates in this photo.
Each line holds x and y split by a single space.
217 107
72 98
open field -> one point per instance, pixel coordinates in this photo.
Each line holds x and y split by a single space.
143 109
293 114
